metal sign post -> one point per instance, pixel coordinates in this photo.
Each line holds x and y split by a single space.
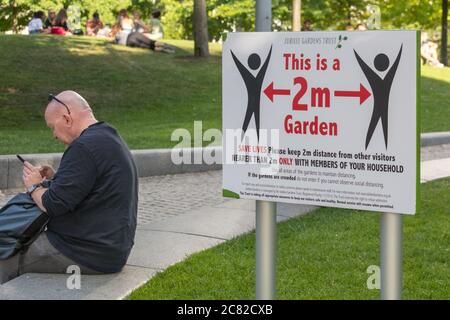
266 242
391 256
266 211
263 15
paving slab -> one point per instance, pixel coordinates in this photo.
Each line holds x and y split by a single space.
43 286
224 221
441 151
242 204
160 249
220 223
434 169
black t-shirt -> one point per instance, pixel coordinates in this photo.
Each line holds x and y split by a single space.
47 24
93 199
62 25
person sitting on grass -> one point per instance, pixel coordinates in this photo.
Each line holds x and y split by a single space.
94 25
51 20
428 51
156 26
36 25
60 27
123 27
139 25
92 199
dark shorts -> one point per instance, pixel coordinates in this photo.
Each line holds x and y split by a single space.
41 257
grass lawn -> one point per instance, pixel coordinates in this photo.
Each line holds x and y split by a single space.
323 255
145 95
435 99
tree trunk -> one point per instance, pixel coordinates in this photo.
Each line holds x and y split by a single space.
14 16
296 15
444 40
200 29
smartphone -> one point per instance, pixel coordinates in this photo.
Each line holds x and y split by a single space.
20 158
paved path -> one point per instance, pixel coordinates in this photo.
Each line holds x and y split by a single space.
166 233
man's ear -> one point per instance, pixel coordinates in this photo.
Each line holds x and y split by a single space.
68 120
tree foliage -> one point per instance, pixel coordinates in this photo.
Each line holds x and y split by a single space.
239 15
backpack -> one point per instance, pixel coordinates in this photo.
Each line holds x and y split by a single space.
21 223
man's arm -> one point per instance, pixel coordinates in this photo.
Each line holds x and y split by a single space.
31 176
37 197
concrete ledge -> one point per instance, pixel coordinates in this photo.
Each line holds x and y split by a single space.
150 162
4 171
434 138
43 286
154 162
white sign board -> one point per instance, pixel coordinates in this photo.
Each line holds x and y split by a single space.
322 118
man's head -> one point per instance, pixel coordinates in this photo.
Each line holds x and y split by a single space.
67 115
307 25
156 14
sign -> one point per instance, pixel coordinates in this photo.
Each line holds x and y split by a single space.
322 118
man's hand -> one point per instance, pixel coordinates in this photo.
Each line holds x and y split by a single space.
31 175
46 172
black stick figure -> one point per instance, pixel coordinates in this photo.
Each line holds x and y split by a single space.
253 85
380 89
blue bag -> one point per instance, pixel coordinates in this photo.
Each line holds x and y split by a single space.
21 223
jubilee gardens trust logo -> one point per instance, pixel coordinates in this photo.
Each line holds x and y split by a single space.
381 87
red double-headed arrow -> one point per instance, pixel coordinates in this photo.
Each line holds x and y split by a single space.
270 92
363 94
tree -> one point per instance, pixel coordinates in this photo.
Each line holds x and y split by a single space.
14 15
201 48
444 41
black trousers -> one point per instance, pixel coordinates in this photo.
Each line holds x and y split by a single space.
137 39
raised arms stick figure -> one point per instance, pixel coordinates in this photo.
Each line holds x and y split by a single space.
253 85
381 89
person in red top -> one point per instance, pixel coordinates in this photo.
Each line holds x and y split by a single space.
60 27
94 25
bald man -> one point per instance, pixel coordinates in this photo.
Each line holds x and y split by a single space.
91 200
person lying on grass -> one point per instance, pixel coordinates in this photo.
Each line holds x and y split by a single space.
122 33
